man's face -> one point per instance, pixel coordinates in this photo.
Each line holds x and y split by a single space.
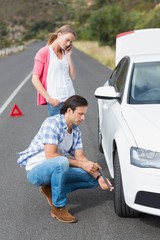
77 117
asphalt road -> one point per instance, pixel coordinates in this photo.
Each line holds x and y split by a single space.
24 213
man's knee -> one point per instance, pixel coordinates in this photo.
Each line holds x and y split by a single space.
42 173
32 178
61 164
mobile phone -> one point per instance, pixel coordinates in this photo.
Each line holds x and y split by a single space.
69 47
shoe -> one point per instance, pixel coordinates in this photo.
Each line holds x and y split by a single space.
62 215
46 191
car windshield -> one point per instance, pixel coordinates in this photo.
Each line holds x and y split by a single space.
145 86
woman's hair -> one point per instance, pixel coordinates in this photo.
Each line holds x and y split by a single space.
64 29
73 102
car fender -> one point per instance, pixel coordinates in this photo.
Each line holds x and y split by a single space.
122 141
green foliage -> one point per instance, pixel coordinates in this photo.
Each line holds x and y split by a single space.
39 29
83 33
5 42
99 20
151 19
106 23
3 30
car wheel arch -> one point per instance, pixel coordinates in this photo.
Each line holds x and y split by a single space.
120 206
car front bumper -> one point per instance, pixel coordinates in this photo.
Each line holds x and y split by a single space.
142 189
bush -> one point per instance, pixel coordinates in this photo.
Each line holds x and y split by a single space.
106 23
39 29
3 29
150 19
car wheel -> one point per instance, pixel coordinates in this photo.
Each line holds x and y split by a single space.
121 209
100 139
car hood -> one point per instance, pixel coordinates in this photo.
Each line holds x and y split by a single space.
144 124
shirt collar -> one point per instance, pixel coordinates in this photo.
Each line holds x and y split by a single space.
64 125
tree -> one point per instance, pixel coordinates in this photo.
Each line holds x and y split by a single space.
106 23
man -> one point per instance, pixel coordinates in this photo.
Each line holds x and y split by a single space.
55 160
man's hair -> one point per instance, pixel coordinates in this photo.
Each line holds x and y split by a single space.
73 102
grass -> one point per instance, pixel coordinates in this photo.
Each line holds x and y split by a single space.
105 54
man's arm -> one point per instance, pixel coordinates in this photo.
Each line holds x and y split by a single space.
80 161
51 151
86 164
92 168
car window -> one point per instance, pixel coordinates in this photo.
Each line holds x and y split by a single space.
118 77
120 81
145 85
114 75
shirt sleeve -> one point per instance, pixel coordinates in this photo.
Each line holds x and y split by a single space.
39 62
50 132
79 144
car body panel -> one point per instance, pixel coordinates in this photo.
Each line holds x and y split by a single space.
137 42
141 118
125 125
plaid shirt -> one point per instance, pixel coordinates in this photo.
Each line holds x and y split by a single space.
52 131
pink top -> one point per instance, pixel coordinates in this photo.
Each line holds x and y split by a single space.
41 63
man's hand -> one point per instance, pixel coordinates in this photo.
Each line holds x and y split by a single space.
103 185
90 166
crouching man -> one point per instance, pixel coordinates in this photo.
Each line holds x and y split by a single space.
55 160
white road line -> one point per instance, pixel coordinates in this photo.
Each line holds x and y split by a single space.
7 102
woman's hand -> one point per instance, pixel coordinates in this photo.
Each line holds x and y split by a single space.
68 50
53 102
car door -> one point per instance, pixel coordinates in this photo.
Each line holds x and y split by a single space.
111 109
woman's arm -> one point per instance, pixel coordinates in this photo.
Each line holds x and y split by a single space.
71 64
39 87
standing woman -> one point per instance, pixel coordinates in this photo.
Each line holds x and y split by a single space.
54 70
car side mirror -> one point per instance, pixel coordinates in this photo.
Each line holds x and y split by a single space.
106 92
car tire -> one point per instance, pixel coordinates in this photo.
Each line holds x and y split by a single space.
121 209
99 139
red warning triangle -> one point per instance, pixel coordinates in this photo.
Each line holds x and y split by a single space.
16 112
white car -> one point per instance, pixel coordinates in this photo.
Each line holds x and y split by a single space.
129 133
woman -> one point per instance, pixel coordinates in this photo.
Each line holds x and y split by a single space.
54 70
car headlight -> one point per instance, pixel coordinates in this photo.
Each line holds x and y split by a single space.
144 158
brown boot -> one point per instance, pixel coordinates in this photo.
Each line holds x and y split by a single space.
62 215
46 191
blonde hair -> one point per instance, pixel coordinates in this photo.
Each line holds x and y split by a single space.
64 29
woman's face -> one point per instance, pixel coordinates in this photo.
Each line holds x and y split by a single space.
65 40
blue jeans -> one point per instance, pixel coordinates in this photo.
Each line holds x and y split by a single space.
54 110
62 178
